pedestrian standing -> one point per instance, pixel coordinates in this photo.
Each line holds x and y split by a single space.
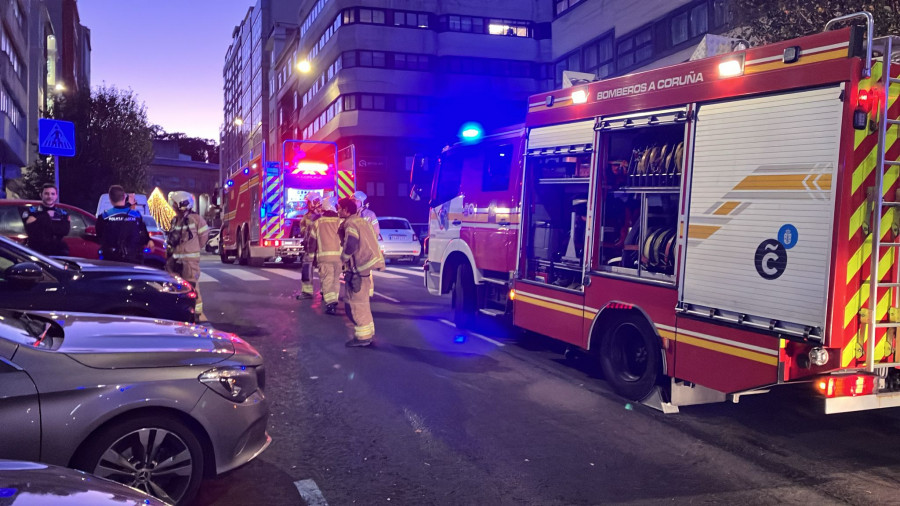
313 204
121 230
361 255
187 235
326 250
46 224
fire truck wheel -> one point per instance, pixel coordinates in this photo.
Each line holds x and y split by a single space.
630 357
463 298
223 255
243 252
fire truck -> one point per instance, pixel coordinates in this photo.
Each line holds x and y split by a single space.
265 200
706 230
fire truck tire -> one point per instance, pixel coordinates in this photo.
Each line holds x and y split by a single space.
630 356
243 252
463 298
223 255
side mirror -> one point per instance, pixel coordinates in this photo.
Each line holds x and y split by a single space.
24 273
420 176
90 231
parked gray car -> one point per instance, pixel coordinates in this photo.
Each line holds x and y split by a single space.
154 404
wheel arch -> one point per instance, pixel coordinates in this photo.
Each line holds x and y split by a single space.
617 309
455 254
209 455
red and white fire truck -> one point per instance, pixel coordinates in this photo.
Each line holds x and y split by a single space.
705 230
264 201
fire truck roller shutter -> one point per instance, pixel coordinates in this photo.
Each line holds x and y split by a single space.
579 133
761 209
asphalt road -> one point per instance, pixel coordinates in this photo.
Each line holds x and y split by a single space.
431 415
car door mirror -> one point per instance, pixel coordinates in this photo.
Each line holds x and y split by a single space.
420 177
24 273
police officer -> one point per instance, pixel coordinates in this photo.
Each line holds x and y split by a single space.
47 224
187 236
121 230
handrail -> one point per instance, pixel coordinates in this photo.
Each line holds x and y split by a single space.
870 33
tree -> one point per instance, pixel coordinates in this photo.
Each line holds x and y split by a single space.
200 150
766 21
113 146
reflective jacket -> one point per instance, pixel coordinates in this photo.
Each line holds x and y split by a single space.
324 241
306 225
369 215
360 248
188 236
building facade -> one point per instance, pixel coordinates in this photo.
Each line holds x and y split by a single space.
389 79
14 96
172 171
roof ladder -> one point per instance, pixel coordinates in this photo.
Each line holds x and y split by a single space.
881 209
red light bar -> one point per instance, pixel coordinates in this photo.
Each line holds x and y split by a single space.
850 385
618 305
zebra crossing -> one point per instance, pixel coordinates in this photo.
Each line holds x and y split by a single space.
222 273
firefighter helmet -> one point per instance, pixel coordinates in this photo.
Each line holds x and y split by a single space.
360 196
181 200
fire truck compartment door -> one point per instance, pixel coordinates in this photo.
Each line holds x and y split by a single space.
762 209
566 135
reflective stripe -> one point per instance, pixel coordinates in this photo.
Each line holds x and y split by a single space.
307 288
353 232
186 255
368 265
204 228
328 253
330 297
364 331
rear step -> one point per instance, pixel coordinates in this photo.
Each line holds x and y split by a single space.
491 312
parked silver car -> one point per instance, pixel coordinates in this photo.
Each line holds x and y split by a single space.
154 404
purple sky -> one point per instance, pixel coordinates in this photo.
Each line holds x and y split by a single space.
170 52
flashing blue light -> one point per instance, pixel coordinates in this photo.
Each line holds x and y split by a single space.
246 170
8 492
459 339
230 182
471 132
146 250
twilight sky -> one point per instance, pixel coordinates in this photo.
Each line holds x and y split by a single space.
170 52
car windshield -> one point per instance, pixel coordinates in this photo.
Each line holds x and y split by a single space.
26 254
151 223
393 224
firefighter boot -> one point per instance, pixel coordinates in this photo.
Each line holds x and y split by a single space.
331 308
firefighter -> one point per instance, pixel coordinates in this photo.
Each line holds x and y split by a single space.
360 255
313 204
325 247
47 224
187 237
364 212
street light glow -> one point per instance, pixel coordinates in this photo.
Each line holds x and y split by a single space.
303 66
238 121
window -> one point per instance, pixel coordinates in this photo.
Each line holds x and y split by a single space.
492 26
639 194
635 49
556 218
77 224
11 221
598 57
371 16
564 5
449 178
572 62
497 165
410 19
688 24
393 224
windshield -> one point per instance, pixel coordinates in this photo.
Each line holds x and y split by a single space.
25 254
151 223
393 224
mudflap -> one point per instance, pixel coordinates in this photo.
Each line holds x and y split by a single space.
681 393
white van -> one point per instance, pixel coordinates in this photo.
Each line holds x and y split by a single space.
140 200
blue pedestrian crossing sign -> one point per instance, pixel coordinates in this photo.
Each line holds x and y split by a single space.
56 137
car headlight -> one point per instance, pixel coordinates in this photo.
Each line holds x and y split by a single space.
233 383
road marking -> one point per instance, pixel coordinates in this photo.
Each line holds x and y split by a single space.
388 275
286 273
310 493
206 278
409 272
244 275
395 301
473 334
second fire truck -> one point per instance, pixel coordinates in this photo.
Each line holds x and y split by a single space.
705 230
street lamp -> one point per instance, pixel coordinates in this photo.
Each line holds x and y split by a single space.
60 87
303 66
238 121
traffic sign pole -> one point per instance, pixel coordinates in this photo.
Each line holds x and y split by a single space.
56 174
